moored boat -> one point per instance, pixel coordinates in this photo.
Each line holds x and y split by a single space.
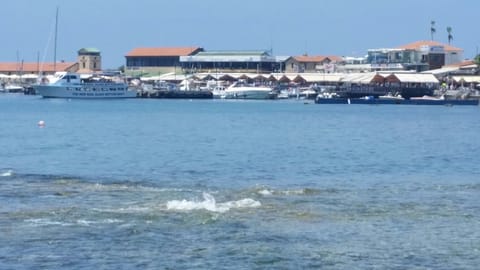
241 91
12 88
370 100
69 85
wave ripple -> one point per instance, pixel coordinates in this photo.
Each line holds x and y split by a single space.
209 203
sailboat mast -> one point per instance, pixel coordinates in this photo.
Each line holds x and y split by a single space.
55 44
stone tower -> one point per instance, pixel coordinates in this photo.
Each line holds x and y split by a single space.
89 60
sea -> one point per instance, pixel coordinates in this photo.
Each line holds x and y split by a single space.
235 184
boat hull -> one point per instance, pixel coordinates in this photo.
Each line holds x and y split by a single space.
49 91
359 91
247 94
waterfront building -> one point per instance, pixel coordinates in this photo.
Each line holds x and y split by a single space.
257 61
47 68
353 65
418 56
156 61
89 60
25 73
306 63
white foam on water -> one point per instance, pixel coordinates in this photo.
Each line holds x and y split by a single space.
265 192
46 222
38 222
294 192
6 173
85 222
300 191
112 220
209 203
127 187
288 192
129 209
243 203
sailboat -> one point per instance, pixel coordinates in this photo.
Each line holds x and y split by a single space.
70 85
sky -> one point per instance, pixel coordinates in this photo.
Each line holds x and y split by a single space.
287 27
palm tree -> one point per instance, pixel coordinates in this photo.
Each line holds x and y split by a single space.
450 37
432 28
476 60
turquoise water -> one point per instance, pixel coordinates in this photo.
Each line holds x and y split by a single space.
214 184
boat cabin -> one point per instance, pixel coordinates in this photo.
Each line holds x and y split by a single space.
62 78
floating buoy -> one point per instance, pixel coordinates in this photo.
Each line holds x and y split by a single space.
41 123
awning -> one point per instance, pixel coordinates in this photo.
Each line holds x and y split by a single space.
412 78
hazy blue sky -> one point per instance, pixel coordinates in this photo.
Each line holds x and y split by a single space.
316 27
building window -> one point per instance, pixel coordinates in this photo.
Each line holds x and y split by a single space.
83 64
94 65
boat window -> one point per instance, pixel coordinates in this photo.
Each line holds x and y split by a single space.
69 77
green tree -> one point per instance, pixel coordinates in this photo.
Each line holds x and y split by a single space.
432 28
450 37
476 60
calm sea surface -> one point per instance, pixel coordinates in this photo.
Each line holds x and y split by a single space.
213 184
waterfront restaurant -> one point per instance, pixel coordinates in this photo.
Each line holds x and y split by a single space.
157 60
232 61
419 56
318 63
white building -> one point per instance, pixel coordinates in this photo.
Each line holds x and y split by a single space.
419 56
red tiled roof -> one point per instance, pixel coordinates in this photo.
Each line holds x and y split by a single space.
165 51
418 44
317 58
33 67
462 64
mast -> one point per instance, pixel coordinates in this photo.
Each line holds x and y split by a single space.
55 44
38 62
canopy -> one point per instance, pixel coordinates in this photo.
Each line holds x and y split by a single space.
363 78
412 78
466 79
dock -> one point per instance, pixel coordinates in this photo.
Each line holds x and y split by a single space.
177 94
412 101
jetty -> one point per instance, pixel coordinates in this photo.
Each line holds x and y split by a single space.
179 94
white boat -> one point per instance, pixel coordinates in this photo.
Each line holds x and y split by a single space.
428 98
391 97
241 91
69 85
218 92
12 88
308 94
